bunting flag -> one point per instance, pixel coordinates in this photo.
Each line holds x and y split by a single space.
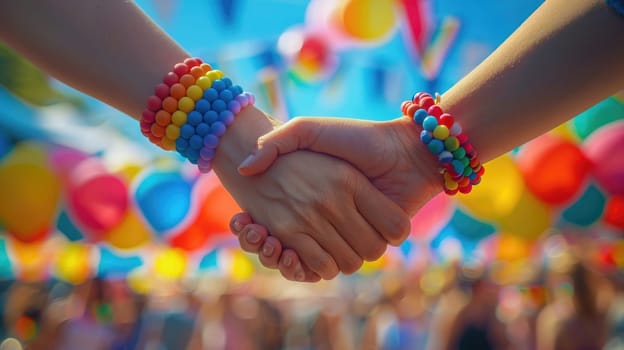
438 49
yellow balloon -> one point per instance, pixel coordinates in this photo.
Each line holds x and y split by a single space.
498 193
31 259
367 19
30 195
28 152
131 233
140 281
73 263
170 264
242 267
529 219
511 248
566 132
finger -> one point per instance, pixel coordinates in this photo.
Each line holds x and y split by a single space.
292 269
252 237
381 213
239 221
364 239
314 256
270 252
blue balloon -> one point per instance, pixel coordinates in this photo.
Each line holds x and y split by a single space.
113 265
587 209
164 200
65 225
210 261
467 227
5 262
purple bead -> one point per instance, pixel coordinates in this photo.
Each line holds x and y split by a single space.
204 169
445 157
196 142
211 141
243 100
217 128
186 131
419 116
426 136
207 153
234 106
202 129
211 94
219 85
194 118
226 117
252 98
210 117
202 106
219 105
203 163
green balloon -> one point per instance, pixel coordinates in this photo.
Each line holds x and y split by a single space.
605 112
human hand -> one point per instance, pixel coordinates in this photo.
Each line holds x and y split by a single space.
319 206
394 160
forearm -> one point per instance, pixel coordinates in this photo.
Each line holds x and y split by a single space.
108 49
566 57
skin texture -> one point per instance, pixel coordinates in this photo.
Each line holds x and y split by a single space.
319 206
563 59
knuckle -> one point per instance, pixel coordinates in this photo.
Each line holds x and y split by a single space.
325 267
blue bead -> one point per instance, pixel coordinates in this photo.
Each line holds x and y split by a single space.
217 128
219 85
226 117
430 123
186 131
202 106
226 95
472 176
419 116
236 90
202 129
426 136
210 117
193 155
181 144
436 146
227 81
206 153
458 166
194 118
196 142
211 141
219 105
211 94
445 157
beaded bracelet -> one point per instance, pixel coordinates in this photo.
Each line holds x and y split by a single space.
191 109
444 138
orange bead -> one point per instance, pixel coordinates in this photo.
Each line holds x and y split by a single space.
411 110
170 104
206 67
197 72
187 80
177 91
163 118
158 131
168 144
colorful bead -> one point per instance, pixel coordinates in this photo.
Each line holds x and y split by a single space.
441 132
430 123
426 136
419 115
436 146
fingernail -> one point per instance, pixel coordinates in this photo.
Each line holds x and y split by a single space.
237 226
267 250
253 236
299 275
287 261
247 161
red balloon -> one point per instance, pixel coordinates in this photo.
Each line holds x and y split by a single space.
614 212
554 169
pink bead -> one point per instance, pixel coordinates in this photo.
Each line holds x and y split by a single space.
161 90
435 111
252 98
447 119
171 78
148 116
154 103
234 106
145 127
242 99
180 69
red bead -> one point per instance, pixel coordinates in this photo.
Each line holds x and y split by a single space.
450 192
447 119
476 181
154 139
154 103
463 138
474 162
472 154
411 110
462 183
148 116
404 106
180 69
435 111
146 126
192 61
426 102
465 189
170 78
481 171
161 90
418 96
468 147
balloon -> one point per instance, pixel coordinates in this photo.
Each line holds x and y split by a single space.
210 261
309 55
603 113
529 219
31 260
164 200
614 212
114 265
499 192
554 169
6 269
131 232
30 196
431 217
241 268
565 131
512 247
366 20
587 209
603 148
65 225
467 227
170 264
5 144
64 160
73 263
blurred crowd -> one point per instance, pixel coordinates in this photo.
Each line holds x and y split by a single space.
447 306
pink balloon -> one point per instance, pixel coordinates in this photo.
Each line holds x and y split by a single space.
431 217
64 160
604 147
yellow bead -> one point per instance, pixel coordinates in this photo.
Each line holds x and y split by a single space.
186 104
220 74
194 92
178 118
441 132
450 184
168 144
213 75
204 82
172 132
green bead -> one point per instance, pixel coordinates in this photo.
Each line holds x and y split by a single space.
459 153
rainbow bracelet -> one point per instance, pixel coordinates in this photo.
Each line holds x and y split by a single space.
191 109
445 139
